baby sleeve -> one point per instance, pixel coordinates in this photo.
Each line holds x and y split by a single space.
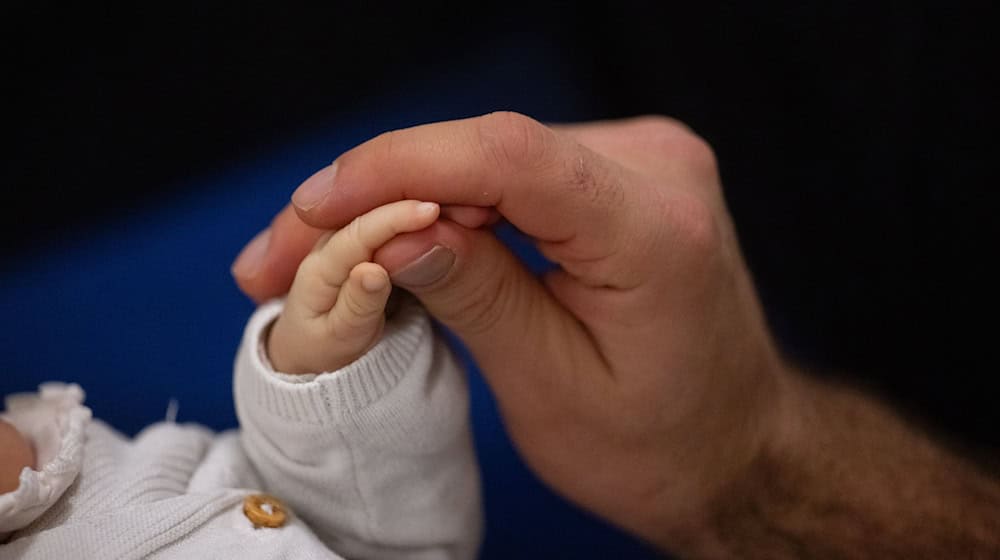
376 457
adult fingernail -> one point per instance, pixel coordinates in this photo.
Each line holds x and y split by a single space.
250 258
427 269
315 189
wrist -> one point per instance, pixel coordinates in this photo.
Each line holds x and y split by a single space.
770 426
840 474
275 348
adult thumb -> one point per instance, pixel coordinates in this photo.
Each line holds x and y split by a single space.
474 285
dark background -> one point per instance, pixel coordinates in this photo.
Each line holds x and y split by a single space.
857 144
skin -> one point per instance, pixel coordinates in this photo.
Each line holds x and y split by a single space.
335 310
16 453
639 379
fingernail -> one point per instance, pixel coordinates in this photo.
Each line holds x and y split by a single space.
248 262
315 189
427 208
373 282
427 269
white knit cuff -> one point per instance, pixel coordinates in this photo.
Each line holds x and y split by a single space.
320 398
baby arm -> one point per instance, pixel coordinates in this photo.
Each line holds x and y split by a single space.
375 453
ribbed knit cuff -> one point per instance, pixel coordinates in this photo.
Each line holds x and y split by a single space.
330 396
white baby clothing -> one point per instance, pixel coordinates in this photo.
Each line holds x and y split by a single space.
374 460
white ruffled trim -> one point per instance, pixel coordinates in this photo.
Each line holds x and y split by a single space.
55 421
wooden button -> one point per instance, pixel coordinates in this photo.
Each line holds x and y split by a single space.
264 510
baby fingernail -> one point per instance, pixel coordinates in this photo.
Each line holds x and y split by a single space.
374 282
425 208
427 268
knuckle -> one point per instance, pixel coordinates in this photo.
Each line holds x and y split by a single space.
356 229
594 183
512 139
311 265
360 308
694 225
660 125
698 153
674 139
382 149
484 307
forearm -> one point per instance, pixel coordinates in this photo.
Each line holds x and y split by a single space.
847 478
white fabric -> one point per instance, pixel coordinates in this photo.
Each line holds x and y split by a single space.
374 461
54 420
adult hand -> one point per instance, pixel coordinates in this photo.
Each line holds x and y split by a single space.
639 379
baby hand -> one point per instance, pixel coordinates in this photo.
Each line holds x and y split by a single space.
335 309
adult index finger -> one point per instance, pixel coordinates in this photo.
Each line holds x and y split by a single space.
546 184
